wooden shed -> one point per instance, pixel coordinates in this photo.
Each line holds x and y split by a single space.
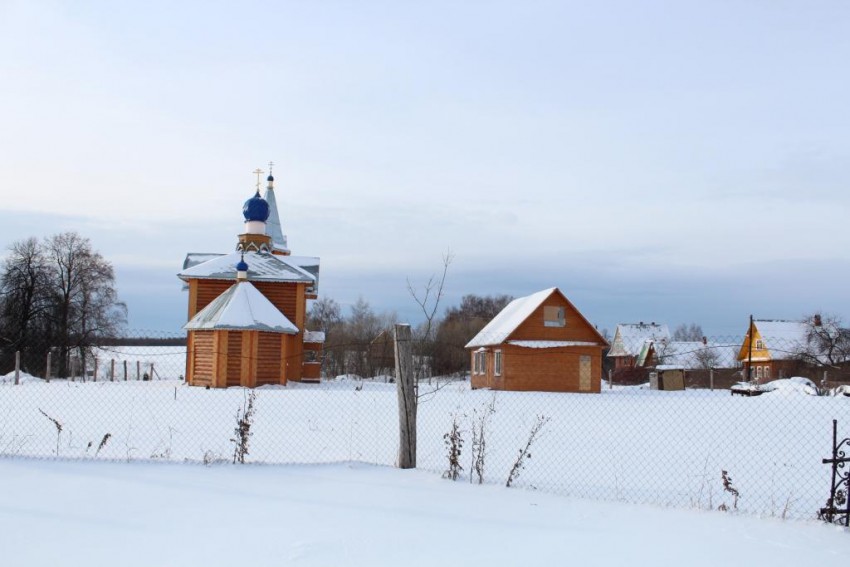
538 343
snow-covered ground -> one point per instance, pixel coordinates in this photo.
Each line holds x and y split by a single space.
628 444
85 513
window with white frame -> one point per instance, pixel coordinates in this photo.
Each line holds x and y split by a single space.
758 372
497 363
475 363
759 344
767 372
553 316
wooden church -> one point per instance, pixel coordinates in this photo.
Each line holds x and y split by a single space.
247 309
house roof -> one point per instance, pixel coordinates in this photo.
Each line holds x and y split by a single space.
314 336
630 338
261 267
512 316
784 339
509 318
241 307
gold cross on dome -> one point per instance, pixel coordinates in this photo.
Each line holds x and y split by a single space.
259 172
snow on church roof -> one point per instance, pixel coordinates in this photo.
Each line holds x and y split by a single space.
261 267
509 318
241 307
273 226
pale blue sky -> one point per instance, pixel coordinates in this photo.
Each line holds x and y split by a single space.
672 161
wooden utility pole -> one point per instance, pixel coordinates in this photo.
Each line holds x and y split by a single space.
750 352
406 397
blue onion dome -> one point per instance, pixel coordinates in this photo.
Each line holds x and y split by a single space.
242 266
270 177
256 209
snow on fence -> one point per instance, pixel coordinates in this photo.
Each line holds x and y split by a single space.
628 442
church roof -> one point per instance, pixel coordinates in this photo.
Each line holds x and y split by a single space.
273 227
261 267
241 308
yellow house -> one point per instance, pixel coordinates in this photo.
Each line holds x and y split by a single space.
773 349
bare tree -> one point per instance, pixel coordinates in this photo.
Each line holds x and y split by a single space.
826 342
684 332
428 299
84 303
23 301
458 326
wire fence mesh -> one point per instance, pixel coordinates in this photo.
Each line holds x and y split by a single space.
659 425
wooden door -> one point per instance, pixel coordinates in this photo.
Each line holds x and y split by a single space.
584 373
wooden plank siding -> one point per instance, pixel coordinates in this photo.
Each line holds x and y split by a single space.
202 361
207 290
234 358
283 296
248 358
269 350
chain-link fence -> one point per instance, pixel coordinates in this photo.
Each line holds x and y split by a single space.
656 424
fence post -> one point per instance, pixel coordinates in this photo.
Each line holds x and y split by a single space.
94 376
151 374
711 378
406 397
17 367
138 370
125 370
47 368
610 379
112 371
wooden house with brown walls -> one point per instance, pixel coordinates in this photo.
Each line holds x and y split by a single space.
538 343
247 310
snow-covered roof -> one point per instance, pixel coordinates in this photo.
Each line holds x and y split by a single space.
314 337
241 307
195 258
273 226
509 318
309 264
261 267
630 338
784 339
551 344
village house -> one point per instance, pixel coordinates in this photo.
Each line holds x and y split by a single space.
630 346
780 348
247 309
538 343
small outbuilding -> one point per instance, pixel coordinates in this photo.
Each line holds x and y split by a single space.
538 343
